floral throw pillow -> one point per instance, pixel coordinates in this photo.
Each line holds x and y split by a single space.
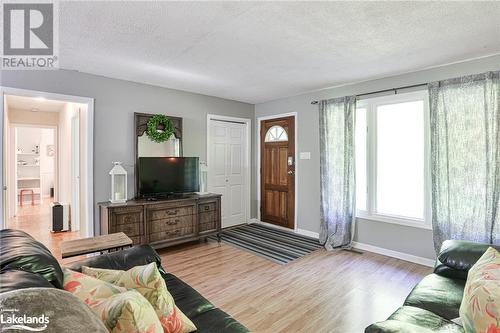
121 310
148 281
480 308
128 312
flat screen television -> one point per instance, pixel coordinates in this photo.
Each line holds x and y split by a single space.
161 176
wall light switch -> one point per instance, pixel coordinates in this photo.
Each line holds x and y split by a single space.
305 155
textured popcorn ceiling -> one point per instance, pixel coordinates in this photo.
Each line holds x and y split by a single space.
259 51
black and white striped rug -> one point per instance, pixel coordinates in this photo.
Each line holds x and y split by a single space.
274 244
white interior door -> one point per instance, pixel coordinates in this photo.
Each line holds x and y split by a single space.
227 169
75 173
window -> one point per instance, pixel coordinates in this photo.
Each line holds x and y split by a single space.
276 133
392 181
360 149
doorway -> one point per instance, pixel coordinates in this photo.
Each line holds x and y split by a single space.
34 164
277 171
45 156
228 162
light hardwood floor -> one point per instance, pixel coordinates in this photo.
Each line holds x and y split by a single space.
323 292
35 220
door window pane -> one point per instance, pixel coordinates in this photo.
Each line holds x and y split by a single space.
400 159
276 133
360 147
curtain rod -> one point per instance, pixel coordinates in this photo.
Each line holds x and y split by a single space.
385 90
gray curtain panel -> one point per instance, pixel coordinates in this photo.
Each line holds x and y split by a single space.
465 158
336 127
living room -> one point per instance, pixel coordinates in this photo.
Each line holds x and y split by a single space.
325 155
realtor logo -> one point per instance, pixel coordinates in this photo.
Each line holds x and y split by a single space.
11 320
29 36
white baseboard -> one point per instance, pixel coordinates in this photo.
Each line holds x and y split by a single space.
394 254
297 231
307 233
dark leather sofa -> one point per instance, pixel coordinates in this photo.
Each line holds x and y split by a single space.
26 263
435 300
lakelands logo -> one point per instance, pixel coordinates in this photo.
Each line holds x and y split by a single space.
29 38
10 320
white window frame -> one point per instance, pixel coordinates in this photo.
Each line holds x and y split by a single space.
371 104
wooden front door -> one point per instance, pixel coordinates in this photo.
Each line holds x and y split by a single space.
277 146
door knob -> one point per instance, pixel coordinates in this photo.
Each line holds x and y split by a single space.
290 172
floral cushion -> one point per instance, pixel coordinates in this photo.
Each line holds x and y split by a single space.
121 310
128 312
148 281
480 308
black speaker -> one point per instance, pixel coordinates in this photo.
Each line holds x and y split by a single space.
57 217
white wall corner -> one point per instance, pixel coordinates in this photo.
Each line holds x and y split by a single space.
394 254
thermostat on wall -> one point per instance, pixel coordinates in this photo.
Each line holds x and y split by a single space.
305 155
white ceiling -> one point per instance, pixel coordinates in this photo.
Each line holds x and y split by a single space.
34 104
259 51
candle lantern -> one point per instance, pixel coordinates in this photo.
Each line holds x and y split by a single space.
118 183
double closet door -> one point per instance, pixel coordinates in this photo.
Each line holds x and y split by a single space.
228 168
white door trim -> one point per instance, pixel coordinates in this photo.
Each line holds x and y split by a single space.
248 176
89 186
275 116
75 167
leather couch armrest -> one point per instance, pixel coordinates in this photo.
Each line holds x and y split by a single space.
447 271
20 251
460 256
121 260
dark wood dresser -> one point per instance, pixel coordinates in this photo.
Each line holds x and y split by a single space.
165 222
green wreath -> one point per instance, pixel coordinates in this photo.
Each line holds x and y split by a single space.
160 128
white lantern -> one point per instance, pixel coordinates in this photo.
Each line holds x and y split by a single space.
118 183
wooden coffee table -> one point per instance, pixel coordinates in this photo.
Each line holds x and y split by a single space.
78 247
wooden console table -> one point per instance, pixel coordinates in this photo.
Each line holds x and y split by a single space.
82 246
165 222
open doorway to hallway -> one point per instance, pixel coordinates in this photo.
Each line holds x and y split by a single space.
45 162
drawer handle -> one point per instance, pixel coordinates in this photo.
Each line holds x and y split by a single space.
207 207
173 232
173 222
172 212
127 219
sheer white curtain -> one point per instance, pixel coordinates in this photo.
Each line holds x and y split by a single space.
337 171
465 158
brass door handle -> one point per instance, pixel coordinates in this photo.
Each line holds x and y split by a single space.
290 172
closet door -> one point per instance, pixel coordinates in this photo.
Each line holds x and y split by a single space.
227 167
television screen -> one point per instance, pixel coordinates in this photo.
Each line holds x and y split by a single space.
159 176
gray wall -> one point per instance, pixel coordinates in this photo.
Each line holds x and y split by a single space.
115 104
415 241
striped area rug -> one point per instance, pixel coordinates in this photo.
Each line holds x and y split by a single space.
274 244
